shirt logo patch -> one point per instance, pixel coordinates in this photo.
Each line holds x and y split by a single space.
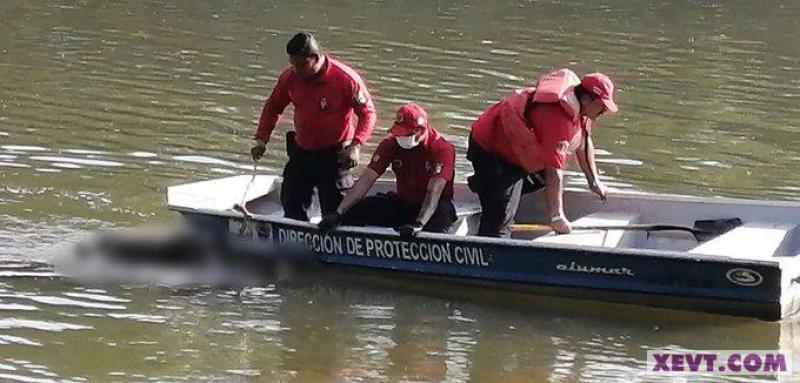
323 103
361 98
562 147
397 164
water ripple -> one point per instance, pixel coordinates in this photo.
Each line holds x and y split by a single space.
19 323
77 161
8 339
59 301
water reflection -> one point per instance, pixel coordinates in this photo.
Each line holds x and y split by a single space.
338 329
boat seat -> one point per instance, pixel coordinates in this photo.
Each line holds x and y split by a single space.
749 241
465 211
601 238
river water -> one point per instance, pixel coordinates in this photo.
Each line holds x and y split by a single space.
103 104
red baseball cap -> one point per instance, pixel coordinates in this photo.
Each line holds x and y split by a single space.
602 86
409 118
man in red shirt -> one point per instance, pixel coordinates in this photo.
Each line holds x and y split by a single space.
423 163
506 166
333 116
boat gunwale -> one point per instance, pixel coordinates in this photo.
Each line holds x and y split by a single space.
625 194
630 194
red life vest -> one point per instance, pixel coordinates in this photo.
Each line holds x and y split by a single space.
553 87
559 86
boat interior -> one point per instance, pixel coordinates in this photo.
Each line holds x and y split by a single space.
768 230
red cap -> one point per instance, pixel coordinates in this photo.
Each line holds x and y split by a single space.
602 86
409 118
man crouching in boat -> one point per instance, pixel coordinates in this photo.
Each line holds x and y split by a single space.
521 143
423 163
327 95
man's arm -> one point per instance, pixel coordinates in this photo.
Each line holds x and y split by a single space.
270 115
435 188
273 108
555 200
364 109
434 191
585 155
442 172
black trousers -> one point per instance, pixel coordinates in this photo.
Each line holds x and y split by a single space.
388 210
307 170
499 186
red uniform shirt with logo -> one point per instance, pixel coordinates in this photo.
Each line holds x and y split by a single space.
558 134
414 168
325 108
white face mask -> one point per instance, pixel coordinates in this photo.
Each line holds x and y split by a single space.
409 142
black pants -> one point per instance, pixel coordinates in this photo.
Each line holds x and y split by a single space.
388 210
307 170
499 186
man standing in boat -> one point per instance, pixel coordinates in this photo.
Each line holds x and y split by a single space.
424 165
521 144
333 115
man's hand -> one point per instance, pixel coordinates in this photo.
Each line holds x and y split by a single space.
348 157
561 225
598 188
258 150
329 221
411 230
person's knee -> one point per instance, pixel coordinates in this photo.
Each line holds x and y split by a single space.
442 219
329 203
439 225
495 199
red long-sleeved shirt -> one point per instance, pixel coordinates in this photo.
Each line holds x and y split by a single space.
413 168
325 108
557 133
